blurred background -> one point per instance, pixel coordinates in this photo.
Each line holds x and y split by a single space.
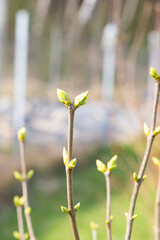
106 47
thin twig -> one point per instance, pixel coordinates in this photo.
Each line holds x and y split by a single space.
142 169
108 205
69 173
20 222
94 234
25 192
157 210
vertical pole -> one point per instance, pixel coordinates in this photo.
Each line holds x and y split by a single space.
55 55
20 68
154 59
3 16
109 40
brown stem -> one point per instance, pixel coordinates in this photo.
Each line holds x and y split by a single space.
157 210
25 192
108 205
20 222
142 167
69 172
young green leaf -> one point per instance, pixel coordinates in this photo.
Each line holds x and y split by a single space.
146 129
101 167
80 99
63 97
65 156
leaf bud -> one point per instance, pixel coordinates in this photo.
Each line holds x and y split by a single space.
154 74
63 97
18 176
21 134
94 225
101 167
28 210
156 161
80 99
16 235
72 163
134 216
111 164
26 236
18 201
65 156
64 209
30 174
156 131
77 206
146 129
135 177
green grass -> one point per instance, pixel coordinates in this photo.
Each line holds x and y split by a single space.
89 189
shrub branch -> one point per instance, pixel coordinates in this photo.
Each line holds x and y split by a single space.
25 192
69 173
142 169
108 205
157 210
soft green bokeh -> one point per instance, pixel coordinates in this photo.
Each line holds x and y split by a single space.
89 189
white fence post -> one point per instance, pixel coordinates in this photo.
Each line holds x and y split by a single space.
20 68
109 40
154 59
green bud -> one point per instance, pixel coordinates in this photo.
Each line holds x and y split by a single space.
18 176
63 97
111 164
16 235
154 74
65 156
30 174
94 225
111 217
21 201
134 216
135 177
28 210
21 134
77 206
107 222
26 236
146 129
18 201
156 131
72 163
126 214
64 209
80 99
144 177
156 161
101 167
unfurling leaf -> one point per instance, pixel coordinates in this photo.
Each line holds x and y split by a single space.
146 129
156 131
101 167
18 176
65 156
30 174
64 209
63 97
77 206
80 99
111 164
154 74
72 163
